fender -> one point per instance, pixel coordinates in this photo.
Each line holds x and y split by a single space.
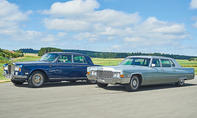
137 73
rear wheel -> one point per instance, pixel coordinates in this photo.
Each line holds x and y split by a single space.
180 83
91 81
72 81
101 85
134 84
36 79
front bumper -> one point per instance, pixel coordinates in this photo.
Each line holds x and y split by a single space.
15 77
110 80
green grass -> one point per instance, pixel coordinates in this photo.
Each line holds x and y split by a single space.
1 72
20 59
98 61
27 58
106 61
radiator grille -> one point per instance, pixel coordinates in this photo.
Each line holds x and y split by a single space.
104 74
11 69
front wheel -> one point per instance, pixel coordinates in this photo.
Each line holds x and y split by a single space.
102 85
36 79
134 84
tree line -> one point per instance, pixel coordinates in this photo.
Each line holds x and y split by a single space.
96 54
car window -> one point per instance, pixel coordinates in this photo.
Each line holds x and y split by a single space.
79 59
165 63
65 59
156 62
49 57
136 61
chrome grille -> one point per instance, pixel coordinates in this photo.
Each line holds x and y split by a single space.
11 69
104 74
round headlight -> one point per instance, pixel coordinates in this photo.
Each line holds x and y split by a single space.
116 75
18 68
5 67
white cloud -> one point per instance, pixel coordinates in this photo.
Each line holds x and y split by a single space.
10 20
66 24
72 7
81 15
193 4
86 22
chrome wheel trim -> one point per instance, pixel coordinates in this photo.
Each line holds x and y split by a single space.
182 82
134 82
37 79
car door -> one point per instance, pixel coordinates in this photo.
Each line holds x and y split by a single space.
155 72
169 73
79 66
62 68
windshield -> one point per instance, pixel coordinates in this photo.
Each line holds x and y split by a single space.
136 61
49 57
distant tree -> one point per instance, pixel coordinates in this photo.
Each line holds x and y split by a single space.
48 49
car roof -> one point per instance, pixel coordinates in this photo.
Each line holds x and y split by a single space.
62 53
160 57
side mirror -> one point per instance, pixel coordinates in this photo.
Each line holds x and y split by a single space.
153 65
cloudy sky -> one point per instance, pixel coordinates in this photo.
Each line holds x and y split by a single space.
166 26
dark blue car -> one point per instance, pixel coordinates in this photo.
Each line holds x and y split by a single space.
52 67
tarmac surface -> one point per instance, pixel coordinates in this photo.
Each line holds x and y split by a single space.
80 100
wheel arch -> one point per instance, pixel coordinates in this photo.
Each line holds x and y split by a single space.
40 70
139 75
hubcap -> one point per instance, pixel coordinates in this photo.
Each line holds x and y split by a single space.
182 82
37 79
135 83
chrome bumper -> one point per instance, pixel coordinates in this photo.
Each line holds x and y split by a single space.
15 76
110 80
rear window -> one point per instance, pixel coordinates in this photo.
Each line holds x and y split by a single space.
79 59
165 63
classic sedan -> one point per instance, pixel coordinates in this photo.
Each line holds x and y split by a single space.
52 67
136 71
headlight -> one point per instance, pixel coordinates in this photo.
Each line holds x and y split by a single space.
18 68
116 75
5 67
94 73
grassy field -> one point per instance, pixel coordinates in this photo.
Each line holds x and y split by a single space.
98 61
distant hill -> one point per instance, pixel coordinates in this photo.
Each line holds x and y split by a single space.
28 50
97 54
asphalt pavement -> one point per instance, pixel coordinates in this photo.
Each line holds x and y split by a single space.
80 100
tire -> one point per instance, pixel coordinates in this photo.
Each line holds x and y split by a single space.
101 85
17 83
91 81
72 81
134 84
180 83
36 79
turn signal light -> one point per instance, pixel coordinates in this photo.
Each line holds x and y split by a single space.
19 69
88 73
121 76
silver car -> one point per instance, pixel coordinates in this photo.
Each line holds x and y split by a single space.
136 71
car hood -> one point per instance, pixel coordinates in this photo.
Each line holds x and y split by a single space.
118 68
31 62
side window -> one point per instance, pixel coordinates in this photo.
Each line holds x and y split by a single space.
156 62
165 63
65 59
79 59
173 65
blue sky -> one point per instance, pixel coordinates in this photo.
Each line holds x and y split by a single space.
166 26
